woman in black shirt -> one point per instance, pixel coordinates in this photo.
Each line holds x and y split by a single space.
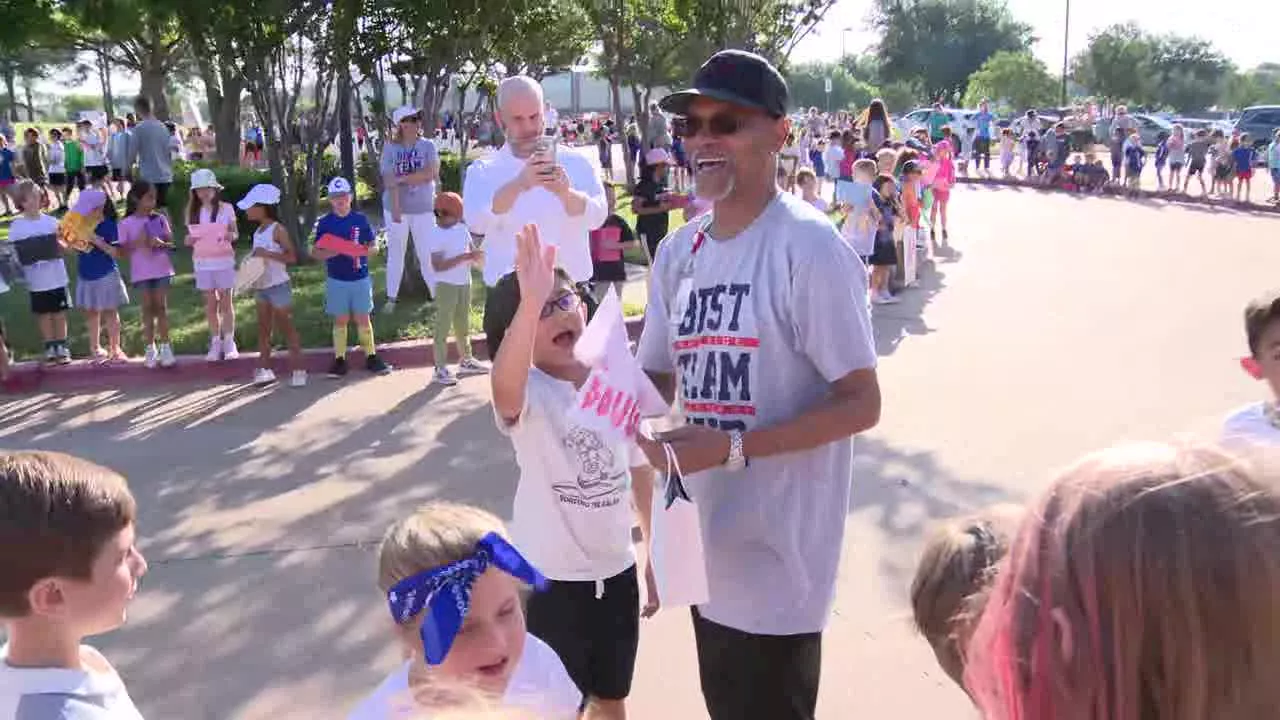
651 200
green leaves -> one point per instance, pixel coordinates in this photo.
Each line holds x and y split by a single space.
1123 63
1019 79
940 43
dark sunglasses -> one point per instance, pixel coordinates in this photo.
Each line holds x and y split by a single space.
718 125
440 214
567 302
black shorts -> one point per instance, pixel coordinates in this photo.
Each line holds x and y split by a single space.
608 271
1175 166
57 179
746 676
75 179
48 302
119 175
97 172
885 253
162 194
595 637
1196 167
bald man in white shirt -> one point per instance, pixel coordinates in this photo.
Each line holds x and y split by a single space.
559 192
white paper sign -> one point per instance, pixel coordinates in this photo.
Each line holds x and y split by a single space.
617 393
675 549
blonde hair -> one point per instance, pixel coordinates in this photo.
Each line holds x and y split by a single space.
1143 587
955 570
24 190
437 534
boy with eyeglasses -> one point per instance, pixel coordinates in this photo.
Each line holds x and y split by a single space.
572 514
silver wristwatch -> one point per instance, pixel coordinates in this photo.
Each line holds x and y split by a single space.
737 458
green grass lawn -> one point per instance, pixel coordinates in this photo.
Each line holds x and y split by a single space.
412 319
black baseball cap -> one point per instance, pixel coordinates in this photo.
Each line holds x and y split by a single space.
738 77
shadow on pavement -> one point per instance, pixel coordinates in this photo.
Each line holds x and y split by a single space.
261 521
893 323
908 493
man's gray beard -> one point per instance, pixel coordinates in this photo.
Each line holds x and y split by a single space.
724 193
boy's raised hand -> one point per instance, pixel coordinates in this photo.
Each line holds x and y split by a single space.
535 266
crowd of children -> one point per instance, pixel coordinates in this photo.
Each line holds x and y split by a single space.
1142 561
99 243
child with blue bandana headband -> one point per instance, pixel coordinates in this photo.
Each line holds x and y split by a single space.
452 584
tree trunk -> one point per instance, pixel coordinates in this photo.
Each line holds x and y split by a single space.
31 105
104 79
226 120
10 92
615 90
153 89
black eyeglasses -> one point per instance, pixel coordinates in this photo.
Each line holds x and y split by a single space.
718 125
567 302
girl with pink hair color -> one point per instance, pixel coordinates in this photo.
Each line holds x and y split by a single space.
1142 587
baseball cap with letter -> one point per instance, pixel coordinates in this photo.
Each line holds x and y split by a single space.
339 186
738 77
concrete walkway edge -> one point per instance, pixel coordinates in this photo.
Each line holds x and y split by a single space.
35 376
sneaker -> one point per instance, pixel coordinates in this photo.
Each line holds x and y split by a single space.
167 360
377 365
298 379
472 366
263 376
338 368
444 377
64 354
389 307
150 359
51 355
229 349
889 299
215 349
879 299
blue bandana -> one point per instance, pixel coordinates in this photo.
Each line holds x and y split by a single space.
445 592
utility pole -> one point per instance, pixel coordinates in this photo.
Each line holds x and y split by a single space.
1066 37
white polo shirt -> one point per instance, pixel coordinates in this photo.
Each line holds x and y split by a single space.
540 207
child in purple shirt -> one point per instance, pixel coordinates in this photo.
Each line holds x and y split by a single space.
146 236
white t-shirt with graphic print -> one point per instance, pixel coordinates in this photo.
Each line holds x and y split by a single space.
572 516
771 318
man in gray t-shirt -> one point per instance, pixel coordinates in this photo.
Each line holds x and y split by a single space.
757 320
149 148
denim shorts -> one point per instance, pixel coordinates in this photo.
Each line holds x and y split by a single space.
277 296
152 284
348 297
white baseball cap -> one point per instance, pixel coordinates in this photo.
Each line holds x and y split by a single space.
261 194
204 178
402 112
339 186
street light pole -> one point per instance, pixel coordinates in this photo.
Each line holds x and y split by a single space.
1066 37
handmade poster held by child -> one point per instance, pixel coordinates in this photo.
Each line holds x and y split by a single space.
613 400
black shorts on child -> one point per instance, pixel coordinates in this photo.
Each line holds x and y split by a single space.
595 629
885 253
48 302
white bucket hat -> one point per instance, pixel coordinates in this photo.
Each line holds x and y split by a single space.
403 112
261 194
657 156
204 178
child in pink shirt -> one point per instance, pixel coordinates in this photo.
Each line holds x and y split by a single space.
146 236
944 177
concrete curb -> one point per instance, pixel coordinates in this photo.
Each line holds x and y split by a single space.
1143 194
27 377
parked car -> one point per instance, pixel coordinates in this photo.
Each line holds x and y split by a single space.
1260 121
957 118
1149 128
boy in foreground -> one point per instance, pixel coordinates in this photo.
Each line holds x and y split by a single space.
68 568
1259 423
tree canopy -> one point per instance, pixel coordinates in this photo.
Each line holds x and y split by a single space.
1123 63
1016 79
940 43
